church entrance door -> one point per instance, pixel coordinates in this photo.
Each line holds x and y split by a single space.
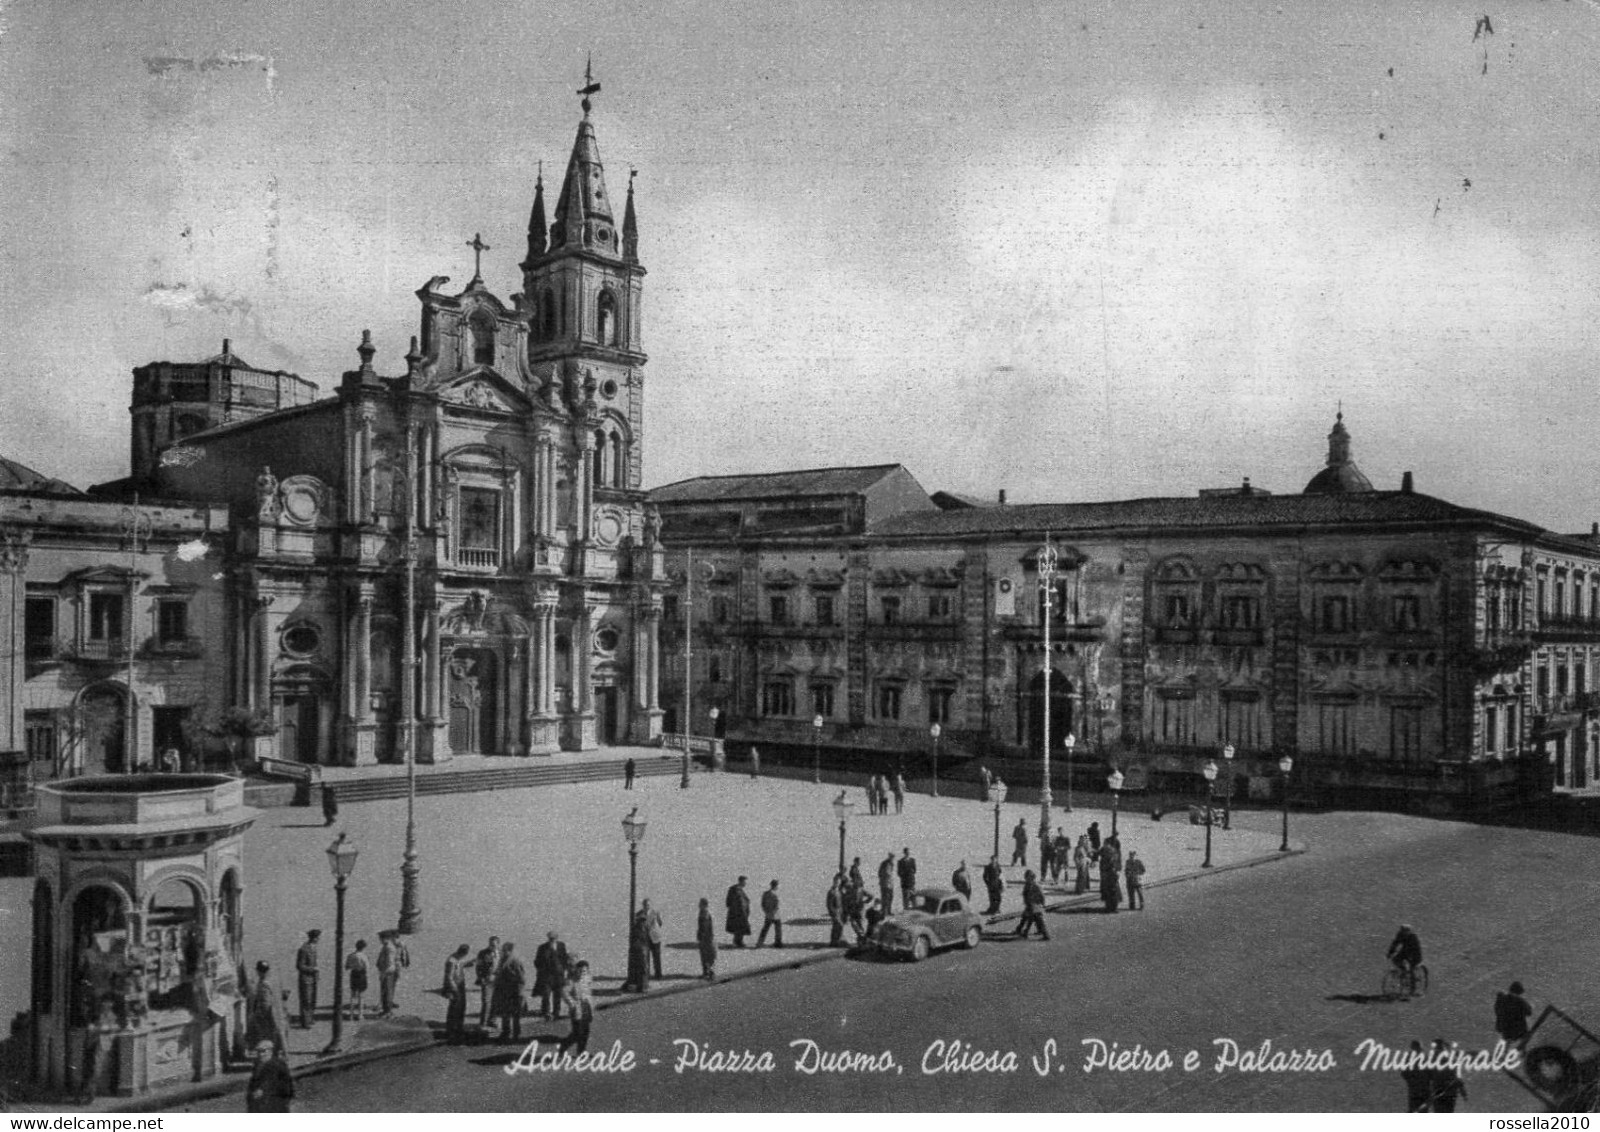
1060 713
607 703
473 714
301 717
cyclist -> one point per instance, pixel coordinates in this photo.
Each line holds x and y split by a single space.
1405 952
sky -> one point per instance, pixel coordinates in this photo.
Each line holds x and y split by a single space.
1074 250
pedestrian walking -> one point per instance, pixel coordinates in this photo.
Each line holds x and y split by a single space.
271 1086
705 934
994 881
755 762
550 963
580 1001
330 805
1082 854
770 918
1511 1013
961 882
872 798
1019 840
483 970
392 959
1032 907
455 995
652 930
854 879
886 875
638 953
1448 1086
883 795
1419 1082
737 923
906 866
509 979
899 792
629 769
1134 875
305 969
264 1015
856 900
1094 836
1047 853
1061 858
835 904
1110 881
358 966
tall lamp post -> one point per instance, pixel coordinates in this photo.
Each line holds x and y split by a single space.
997 791
1047 590
935 731
410 905
1210 772
1069 742
1285 764
342 860
1227 796
841 809
633 832
713 715
816 748
1114 780
135 526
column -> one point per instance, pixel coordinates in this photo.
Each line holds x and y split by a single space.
363 651
547 675
424 501
365 486
582 656
431 664
14 567
262 699
585 481
653 679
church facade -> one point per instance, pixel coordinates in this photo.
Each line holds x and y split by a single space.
1390 643
452 559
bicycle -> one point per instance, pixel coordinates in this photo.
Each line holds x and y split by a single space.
1404 984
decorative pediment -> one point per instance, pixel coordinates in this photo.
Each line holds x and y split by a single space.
101 575
1177 570
779 578
890 578
1409 570
485 390
942 577
825 579
481 615
1241 572
1337 572
303 500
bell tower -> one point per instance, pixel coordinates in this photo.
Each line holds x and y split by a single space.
582 290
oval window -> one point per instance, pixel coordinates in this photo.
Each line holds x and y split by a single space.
301 639
607 639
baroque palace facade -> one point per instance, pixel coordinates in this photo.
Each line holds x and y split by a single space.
476 521
1388 641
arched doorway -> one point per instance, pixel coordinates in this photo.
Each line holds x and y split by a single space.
103 721
301 697
473 715
1061 722
230 914
174 933
100 948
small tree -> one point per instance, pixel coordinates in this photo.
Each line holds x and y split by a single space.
236 724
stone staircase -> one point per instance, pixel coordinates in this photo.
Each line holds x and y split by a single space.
515 775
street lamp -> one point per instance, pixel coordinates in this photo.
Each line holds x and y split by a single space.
997 791
1114 780
410 870
816 748
1227 797
1285 764
841 809
1047 587
1210 772
1069 742
935 731
714 714
633 833
342 860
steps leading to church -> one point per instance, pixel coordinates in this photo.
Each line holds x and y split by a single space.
516 776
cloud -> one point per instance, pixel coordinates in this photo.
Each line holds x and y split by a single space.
182 297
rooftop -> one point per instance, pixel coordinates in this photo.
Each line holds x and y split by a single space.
768 485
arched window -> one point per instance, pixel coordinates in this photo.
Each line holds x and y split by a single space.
482 338
548 329
619 460
606 318
602 464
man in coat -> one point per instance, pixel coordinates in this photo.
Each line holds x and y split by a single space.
1032 907
455 995
1511 1012
271 1087
835 902
550 975
264 1015
639 953
961 882
705 934
1019 836
995 882
770 918
1134 875
509 980
305 969
886 873
652 932
738 922
392 957
906 866
483 970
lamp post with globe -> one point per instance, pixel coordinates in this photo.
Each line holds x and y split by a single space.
935 731
1114 780
816 748
633 833
1227 793
342 860
997 791
842 809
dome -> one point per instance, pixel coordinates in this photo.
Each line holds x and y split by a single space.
1341 475
20 477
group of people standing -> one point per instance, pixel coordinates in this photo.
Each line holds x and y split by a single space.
1057 854
878 791
559 980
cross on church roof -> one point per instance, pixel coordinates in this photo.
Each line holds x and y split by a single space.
478 248
589 85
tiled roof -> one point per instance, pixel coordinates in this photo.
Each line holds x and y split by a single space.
1210 512
20 477
809 481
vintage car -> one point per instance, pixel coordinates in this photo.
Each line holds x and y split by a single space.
937 917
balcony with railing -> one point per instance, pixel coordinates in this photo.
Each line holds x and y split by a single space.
478 557
1568 627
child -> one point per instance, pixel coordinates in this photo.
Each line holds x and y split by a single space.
357 964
